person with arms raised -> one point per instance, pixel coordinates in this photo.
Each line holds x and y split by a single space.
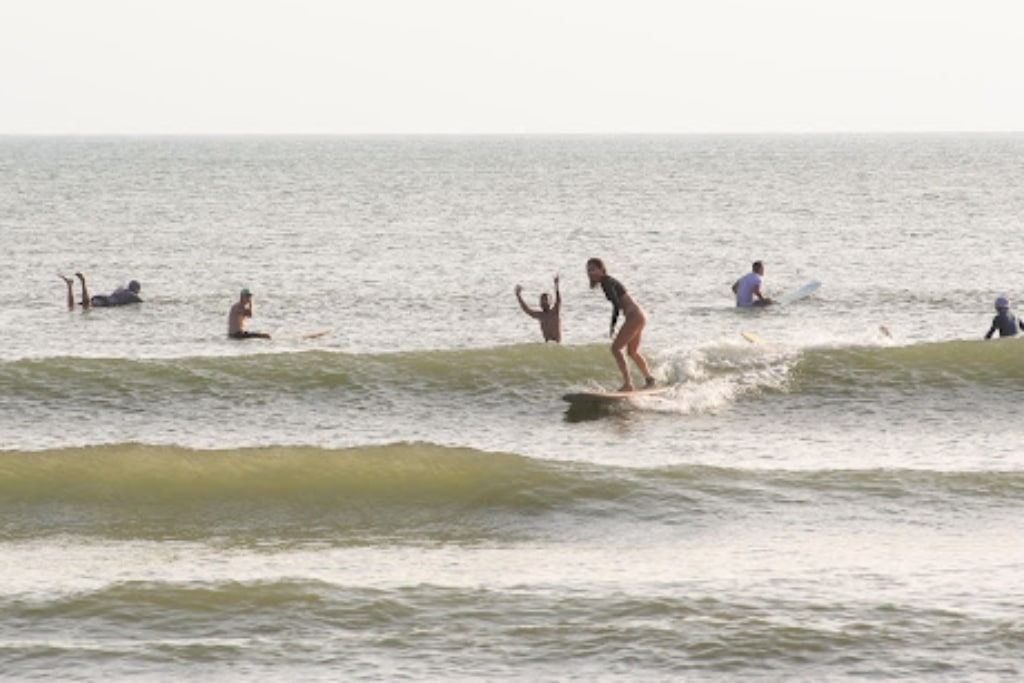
549 316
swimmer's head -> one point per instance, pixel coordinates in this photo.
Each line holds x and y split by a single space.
135 286
1002 303
595 271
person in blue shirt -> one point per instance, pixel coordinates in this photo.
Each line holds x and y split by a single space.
748 288
119 297
1005 322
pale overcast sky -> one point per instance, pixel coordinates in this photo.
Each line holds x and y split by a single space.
516 66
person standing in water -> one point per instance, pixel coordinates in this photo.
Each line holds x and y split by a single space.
1005 323
627 341
238 317
748 288
548 315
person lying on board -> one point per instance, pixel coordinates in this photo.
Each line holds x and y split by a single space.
119 297
548 315
238 318
1005 322
748 288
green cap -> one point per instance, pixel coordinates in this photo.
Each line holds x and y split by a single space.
246 292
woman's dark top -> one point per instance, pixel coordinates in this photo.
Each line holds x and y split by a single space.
614 290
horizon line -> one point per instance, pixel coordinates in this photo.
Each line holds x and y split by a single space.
482 134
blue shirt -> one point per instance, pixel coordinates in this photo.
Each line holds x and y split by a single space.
745 288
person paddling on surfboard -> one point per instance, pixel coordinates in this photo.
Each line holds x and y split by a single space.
1005 322
628 338
238 317
119 297
548 315
748 288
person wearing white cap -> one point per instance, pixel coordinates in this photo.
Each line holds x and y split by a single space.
1005 322
238 317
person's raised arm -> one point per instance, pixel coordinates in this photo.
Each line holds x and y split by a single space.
522 304
558 296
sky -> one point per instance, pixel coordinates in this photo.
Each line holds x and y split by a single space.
509 66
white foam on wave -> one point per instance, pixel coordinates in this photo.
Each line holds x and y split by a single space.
714 377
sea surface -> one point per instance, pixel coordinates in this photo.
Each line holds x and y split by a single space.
393 488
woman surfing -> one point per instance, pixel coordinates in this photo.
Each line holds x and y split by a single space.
628 338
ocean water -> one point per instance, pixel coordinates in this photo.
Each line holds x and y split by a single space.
392 488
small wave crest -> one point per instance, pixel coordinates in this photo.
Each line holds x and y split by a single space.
718 375
417 490
300 372
715 376
149 475
704 379
939 365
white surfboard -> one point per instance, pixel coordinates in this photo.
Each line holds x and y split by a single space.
797 294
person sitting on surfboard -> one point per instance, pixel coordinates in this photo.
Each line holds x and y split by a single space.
238 318
119 297
748 288
548 315
1005 322
629 335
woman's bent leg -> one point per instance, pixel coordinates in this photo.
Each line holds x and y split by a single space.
634 352
630 329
